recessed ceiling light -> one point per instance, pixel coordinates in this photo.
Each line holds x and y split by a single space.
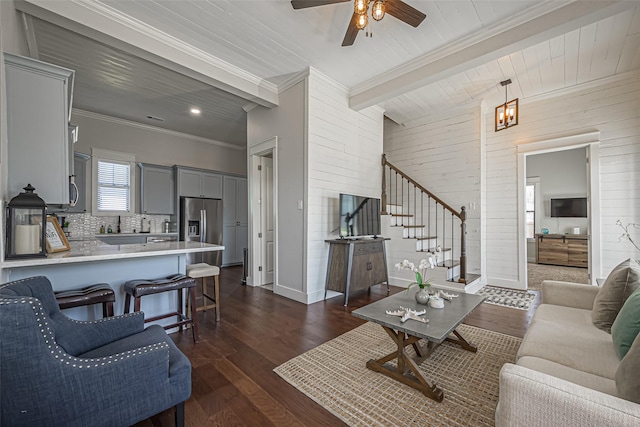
195 111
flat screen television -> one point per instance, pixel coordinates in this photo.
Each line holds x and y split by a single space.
575 207
359 216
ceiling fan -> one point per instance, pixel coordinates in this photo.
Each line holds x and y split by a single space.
395 8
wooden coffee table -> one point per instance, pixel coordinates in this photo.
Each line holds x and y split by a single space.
441 327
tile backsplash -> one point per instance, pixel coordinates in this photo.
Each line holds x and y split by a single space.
83 226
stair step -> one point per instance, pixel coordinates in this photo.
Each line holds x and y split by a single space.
434 249
425 238
449 263
442 249
469 279
413 226
403 215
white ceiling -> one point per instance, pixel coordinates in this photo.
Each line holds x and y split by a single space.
457 56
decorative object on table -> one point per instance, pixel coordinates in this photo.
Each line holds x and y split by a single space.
407 313
626 235
25 235
444 295
545 231
56 240
436 302
422 296
505 297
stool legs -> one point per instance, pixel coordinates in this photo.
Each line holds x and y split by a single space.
107 309
215 298
194 317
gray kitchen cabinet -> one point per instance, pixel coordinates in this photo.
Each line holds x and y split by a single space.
38 111
199 183
80 171
235 219
157 187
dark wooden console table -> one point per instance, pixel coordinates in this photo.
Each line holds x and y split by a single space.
356 264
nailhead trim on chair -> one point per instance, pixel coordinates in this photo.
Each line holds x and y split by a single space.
64 357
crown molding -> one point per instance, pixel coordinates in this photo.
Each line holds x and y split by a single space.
293 80
143 126
104 23
581 86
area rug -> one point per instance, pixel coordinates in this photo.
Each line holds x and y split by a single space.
505 297
335 376
536 273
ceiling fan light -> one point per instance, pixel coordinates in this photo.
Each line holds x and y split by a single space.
362 21
378 10
360 7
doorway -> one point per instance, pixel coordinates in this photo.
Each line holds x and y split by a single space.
578 154
264 195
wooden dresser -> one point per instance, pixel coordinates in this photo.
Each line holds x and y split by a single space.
355 265
571 250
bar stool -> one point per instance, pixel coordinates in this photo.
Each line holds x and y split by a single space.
203 270
100 293
177 282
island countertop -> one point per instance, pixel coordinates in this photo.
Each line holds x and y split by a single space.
89 251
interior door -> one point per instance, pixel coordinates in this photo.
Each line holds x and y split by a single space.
267 219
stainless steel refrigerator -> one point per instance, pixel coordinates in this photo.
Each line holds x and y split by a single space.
201 221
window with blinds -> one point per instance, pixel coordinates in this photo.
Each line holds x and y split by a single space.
112 182
114 186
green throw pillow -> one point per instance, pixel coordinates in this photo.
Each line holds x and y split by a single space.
628 374
627 324
621 282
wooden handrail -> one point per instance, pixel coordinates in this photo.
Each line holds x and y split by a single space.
405 176
462 214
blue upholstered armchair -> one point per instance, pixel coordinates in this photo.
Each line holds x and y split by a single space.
59 371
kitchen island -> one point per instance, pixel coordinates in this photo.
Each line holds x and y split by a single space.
91 262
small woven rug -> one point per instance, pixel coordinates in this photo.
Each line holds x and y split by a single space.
505 297
335 376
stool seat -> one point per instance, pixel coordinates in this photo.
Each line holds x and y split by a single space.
177 282
140 287
100 293
202 270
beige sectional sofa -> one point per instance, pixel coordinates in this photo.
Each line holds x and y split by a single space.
565 373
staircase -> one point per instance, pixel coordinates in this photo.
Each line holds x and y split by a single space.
421 225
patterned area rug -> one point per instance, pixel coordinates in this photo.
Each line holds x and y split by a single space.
505 297
335 376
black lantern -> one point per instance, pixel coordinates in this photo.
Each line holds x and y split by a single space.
26 224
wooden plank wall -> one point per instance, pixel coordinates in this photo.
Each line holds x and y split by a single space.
344 152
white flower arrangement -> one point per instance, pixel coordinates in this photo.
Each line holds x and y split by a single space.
420 271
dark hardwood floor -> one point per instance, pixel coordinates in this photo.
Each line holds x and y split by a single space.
233 379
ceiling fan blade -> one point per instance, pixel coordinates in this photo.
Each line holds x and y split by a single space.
352 31
303 4
404 12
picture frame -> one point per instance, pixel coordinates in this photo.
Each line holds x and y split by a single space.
56 240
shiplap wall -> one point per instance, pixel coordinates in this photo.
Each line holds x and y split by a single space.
613 109
443 155
344 151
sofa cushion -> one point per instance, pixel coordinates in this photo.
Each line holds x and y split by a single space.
628 374
566 336
620 284
585 379
627 325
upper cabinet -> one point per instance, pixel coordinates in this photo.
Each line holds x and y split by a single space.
157 189
198 183
38 112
